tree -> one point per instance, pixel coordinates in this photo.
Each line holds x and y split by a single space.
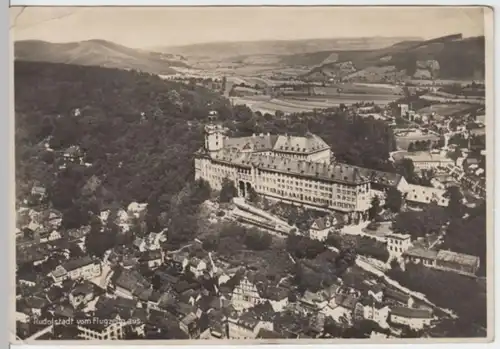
394 264
455 206
420 223
156 282
393 200
253 197
75 251
304 247
345 259
258 240
457 153
293 215
228 191
411 147
211 243
406 168
97 242
374 208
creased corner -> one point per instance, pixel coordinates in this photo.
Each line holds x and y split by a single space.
14 22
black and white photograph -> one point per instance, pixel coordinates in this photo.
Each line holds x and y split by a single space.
253 174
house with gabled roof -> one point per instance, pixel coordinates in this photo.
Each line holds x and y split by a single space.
246 292
322 226
198 266
399 297
372 309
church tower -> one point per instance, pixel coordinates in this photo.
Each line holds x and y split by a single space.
214 134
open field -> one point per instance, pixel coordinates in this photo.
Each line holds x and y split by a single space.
471 100
441 82
361 89
266 104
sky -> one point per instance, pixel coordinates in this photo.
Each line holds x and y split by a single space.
171 26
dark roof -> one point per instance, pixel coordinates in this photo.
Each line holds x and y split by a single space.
396 295
336 172
347 301
151 255
54 294
130 280
421 253
266 334
155 297
79 233
183 285
381 178
276 293
85 287
412 312
78 263
28 276
36 302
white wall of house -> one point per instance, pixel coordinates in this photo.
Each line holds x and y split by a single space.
245 295
413 323
279 305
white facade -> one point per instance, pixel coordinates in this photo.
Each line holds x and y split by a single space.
113 331
199 268
245 295
85 272
379 315
321 228
397 244
22 317
413 323
430 161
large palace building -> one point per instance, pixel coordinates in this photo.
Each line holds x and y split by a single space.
298 170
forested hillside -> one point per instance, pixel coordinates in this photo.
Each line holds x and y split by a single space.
141 159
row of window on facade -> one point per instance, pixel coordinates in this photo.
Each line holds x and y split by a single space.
395 249
310 198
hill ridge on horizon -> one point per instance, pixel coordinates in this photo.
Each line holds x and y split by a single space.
98 52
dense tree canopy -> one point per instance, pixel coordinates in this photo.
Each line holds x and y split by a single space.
419 223
393 200
137 159
303 247
228 191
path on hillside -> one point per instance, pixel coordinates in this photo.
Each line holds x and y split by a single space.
179 249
